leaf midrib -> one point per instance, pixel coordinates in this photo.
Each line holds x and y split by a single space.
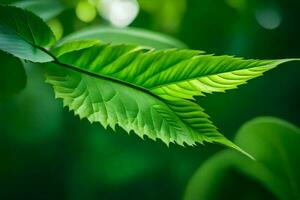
56 61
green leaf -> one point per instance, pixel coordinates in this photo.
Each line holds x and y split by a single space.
112 103
12 75
23 34
135 36
273 143
146 72
46 9
217 178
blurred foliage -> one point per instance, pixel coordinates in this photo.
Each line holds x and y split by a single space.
86 11
47 153
13 68
273 175
165 15
46 9
133 36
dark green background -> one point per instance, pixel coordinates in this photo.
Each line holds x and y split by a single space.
47 153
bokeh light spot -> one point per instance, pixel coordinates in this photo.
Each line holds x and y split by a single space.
120 13
86 11
237 4
268 18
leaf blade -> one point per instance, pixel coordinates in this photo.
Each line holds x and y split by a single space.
24 35
112 103
282 139
134 67
135 110
273 142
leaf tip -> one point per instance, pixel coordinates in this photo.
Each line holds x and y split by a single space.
233 146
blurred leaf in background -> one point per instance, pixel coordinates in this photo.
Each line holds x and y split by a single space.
128 35
12 76
46 9
275 173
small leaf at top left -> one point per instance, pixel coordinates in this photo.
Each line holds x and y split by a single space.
24 34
